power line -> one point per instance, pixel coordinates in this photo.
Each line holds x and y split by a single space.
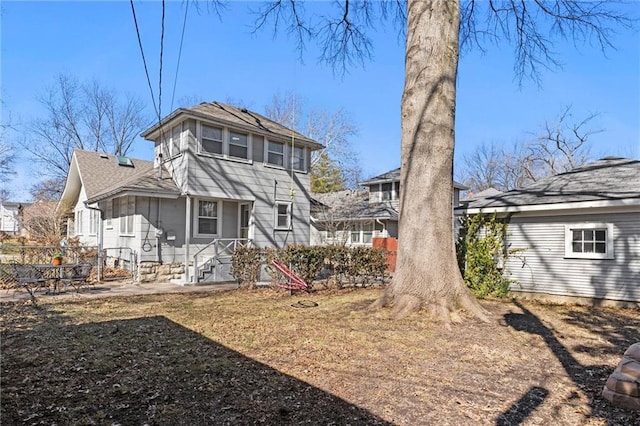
144 60
184 25
161 55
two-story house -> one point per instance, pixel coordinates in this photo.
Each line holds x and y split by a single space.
355 217
222 176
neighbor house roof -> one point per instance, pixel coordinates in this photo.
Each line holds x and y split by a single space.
235 117
394 176
607 182
350 205
101 175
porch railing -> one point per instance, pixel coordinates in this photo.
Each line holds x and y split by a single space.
207 256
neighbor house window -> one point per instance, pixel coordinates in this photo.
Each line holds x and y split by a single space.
283 215
275 153
297 158
206 218
212 139
387 191
238 145
126 210
78 220
93 221
108 223
361 233
589 241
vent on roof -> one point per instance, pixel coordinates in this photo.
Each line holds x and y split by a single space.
104 155
125 162
244 110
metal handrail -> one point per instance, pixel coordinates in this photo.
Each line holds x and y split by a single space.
226 244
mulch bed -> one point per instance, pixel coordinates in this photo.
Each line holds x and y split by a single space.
264 357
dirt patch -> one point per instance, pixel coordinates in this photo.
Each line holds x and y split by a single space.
250 357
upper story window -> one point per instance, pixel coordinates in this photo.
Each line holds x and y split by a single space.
589 241
238 145
275 153
212 141
387 191
176 133
298 158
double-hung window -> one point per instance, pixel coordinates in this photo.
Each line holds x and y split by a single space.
212 141
108 223
361 233
206 218
176 133
126 210
589 241
238 145
283 215
78 221
94 217
275 153
297 158
387 191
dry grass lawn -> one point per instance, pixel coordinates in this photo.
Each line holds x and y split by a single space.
250 357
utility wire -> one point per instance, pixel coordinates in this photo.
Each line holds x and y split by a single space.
161 55
144 60
184 25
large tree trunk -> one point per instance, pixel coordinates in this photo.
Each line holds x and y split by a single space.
427 273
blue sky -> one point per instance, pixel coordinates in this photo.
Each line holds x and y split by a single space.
222 60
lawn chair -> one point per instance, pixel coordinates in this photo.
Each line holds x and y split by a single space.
77 276
28 277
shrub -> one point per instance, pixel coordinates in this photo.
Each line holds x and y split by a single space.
245 265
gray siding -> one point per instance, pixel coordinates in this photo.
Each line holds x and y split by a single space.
541 267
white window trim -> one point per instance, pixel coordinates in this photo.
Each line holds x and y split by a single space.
124 214
250 227
289 216
94 220
78 219
108 223
266 154
568 239
304 158
196 215
226 141
360 232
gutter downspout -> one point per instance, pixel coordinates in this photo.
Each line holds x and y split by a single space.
384 228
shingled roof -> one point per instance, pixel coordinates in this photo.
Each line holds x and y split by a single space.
351 205
102 176
608 179
394 176
236 117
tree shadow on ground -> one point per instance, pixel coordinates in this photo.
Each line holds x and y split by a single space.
151 371
588 378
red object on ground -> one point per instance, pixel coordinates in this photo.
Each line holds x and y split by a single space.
391 247
294 283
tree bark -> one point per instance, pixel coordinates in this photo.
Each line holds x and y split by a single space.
428 273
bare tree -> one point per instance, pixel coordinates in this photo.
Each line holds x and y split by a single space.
558 147
333 129
435 31
84 116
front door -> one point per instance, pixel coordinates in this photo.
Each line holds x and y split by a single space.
245 220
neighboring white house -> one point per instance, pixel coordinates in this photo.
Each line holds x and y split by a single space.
10 217
355 217
221 177
578 233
